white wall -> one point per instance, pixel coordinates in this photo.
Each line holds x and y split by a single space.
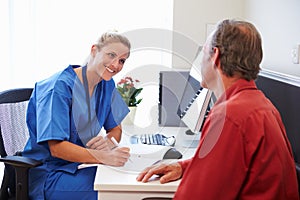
191 20
39 38
278 22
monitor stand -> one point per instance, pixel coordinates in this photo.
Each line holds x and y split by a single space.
188 139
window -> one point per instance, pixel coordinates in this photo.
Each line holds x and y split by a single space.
40 38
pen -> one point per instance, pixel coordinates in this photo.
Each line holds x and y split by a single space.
116 145
115 142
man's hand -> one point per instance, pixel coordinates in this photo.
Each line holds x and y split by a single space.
168 172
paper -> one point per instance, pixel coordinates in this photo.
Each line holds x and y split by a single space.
86 165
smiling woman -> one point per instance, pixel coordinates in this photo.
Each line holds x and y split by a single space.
84 100
108 56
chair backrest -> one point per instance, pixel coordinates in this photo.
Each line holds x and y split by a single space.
13 132
13 128
284 92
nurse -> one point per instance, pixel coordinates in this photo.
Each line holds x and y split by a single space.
65 115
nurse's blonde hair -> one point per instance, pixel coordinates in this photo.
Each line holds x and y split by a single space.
108 38
112 37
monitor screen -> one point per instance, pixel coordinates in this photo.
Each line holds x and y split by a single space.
195 113
191 89
195 101
284 93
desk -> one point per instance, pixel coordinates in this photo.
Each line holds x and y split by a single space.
113 183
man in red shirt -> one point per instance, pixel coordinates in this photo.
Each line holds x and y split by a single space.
244 152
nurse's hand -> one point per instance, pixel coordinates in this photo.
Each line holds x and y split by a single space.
115 157
98 143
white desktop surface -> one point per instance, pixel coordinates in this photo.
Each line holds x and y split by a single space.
112 179
114 183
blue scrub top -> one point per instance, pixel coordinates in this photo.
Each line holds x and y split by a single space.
57 110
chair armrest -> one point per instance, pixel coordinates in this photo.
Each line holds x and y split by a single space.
20 161
21 165
298 172
298 166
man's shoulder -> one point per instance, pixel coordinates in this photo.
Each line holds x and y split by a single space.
242 105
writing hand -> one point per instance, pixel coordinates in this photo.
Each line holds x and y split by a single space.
168 172
115 157
98 143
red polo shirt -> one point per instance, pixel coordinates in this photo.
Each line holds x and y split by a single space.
244 152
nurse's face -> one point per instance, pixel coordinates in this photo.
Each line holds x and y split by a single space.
110 60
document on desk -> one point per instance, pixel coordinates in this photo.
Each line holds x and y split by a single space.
141 156
81 166
132 166
136 166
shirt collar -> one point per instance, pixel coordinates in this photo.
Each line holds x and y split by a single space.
237 87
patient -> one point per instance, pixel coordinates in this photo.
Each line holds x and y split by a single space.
244 152
65 114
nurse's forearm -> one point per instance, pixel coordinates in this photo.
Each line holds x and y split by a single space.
71 152
115 132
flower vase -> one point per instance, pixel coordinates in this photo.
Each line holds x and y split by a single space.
129 119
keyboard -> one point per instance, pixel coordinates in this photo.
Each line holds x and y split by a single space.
153 139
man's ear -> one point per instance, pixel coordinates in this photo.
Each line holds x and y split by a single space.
216 56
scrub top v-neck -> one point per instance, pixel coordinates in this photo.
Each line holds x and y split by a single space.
83 109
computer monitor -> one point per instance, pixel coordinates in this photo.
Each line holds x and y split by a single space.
194 111
196 101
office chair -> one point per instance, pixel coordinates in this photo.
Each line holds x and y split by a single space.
298 175
13 136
